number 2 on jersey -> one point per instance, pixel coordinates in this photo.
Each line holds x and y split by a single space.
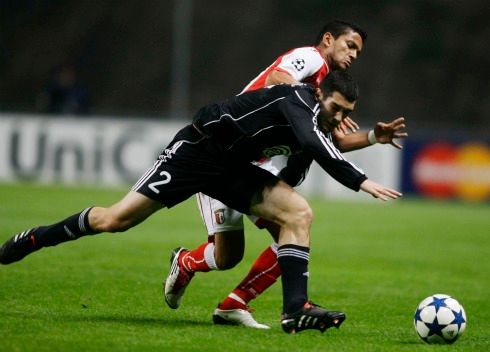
153 185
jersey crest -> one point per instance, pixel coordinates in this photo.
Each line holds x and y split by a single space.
219 216
277 150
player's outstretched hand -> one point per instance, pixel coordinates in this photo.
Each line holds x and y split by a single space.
387 132
378 191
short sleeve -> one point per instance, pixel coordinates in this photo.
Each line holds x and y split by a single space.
301 63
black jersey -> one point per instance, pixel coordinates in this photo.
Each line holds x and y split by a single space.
271 121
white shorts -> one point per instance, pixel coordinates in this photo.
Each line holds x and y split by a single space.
218 217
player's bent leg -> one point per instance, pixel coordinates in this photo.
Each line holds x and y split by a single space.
282 205
223 250
226 225
229 250
131 210
264 273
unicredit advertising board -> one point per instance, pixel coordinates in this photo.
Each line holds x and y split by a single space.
91 150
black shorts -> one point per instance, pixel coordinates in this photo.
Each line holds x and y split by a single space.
193 163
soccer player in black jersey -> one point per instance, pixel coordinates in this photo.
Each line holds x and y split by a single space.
213 155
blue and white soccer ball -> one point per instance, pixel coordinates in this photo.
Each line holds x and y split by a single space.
439 319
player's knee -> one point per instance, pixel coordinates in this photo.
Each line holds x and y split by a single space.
300 214
229 248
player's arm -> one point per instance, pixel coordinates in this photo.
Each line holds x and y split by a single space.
384 133
320 147
280 77
296 66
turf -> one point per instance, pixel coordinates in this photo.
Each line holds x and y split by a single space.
373 260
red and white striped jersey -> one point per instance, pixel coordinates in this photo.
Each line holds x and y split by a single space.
303 64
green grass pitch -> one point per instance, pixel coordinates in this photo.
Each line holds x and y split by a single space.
373 260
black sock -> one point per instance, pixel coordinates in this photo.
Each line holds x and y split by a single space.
69 229
293 261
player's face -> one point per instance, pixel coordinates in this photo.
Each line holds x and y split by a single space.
344 50
333 110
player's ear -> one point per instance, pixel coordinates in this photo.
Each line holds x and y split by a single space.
328 39
318 94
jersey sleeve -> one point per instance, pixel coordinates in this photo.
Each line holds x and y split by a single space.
301 111
301 63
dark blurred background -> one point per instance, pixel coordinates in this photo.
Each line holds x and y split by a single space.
427 60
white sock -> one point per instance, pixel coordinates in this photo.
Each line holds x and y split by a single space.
209 256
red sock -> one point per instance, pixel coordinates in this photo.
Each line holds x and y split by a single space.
264 272
199 259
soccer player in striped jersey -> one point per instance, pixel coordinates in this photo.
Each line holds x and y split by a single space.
337 46
214 155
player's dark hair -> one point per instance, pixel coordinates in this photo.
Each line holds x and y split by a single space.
339 27
342 82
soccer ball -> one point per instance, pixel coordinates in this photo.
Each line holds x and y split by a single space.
439 319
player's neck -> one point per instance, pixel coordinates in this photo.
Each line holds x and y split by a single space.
323 53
